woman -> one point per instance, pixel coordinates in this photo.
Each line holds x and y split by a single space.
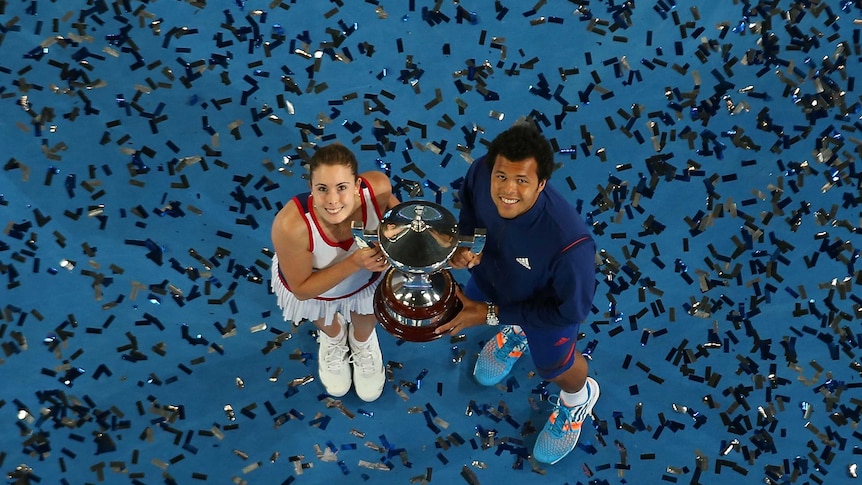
321 274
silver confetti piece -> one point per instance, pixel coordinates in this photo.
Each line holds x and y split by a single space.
301 381
730 446
274 376
680 408
374 466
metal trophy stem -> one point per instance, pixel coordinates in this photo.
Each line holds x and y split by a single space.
417 293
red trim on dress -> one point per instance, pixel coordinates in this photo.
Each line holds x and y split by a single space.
374 277
362 182
307 225
373 200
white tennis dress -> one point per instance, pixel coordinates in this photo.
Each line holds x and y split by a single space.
355 293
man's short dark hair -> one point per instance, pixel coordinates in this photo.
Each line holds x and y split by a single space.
520 142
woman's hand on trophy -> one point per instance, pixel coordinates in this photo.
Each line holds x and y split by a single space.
464 258
371 258
472 313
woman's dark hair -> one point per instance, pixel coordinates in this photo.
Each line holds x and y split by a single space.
334 154
520 142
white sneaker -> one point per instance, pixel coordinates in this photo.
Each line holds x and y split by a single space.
369 376
333 364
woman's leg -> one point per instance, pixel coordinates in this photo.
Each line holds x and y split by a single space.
369 374
333 361
363 325
332 328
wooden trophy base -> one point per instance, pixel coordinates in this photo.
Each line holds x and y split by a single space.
416 323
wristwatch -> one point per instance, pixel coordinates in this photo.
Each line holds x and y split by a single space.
491 318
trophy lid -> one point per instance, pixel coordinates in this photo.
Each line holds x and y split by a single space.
418 236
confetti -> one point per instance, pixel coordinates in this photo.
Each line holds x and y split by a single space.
711 150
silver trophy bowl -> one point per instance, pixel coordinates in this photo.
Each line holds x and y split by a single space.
417 293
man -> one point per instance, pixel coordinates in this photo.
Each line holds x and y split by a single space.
536 275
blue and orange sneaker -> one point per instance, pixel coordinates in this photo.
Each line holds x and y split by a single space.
561 432
499 355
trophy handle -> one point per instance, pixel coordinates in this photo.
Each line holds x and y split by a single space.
476 241
362 237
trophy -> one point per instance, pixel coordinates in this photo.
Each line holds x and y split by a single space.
417 293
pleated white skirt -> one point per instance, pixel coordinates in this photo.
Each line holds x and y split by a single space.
295 310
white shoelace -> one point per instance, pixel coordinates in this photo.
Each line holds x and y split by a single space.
334 357
363 359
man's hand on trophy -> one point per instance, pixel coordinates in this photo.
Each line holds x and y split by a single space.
464 258
472 313
371 258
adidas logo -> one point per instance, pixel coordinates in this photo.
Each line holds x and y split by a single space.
525 262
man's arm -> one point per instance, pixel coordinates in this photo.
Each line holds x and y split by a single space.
464 257
467 214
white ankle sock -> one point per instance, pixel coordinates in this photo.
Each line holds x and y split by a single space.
571 399
340 334
357 342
